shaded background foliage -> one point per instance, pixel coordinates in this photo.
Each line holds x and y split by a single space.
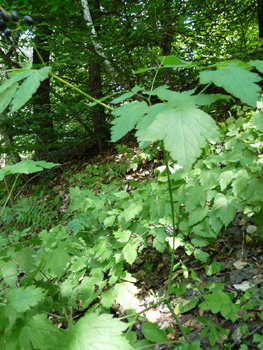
132 35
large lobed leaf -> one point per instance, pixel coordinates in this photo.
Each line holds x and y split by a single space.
98 332
22 299
26 167
236 80
182 127
17 96
43 335
129 115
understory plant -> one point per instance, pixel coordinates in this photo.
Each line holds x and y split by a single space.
58 287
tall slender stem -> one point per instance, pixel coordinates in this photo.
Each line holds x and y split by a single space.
173 218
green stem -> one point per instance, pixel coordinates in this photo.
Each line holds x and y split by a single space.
173 219
207 86
9 195
5 230
178 322
66 311
81 92
155 76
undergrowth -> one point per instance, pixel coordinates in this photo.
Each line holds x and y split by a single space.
58 285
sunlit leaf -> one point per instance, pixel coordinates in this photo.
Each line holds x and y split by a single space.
98 332
236 80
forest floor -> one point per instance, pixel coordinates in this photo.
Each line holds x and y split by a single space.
238 249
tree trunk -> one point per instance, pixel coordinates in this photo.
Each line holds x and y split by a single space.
260 18
42 108
101 129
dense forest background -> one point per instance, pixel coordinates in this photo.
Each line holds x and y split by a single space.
97 46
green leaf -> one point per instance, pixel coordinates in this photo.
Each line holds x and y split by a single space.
10 272
43 335
93 332
130 253
7 84
129 115
225 179
29 87
195 196
125 293
208 179
6 96
258 64
131 211
225 209
122 236
200 255
198 215
153 333
108 298
258 120
203 320
22 299
199 242
239 185
236 80
127 95
213 335
57 262
182 127
25 167
173 61
215 267
24 258
203 100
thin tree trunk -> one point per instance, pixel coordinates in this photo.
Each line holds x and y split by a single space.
101 129
260 18
42 108
116 75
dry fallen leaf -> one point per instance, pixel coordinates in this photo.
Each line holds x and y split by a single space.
239 264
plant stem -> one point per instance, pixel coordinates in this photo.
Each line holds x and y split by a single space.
81 92
179 324
173 218
205 88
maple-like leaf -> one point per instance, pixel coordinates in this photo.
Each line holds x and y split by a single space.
99 332
57 262
9 273
258 64
239 185
125 293
236 80
182 127
129 115
43 335
225 208
130 253
225 179
195 196
132 210
22 299
25 167
258 120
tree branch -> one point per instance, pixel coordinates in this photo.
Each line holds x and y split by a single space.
120 79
